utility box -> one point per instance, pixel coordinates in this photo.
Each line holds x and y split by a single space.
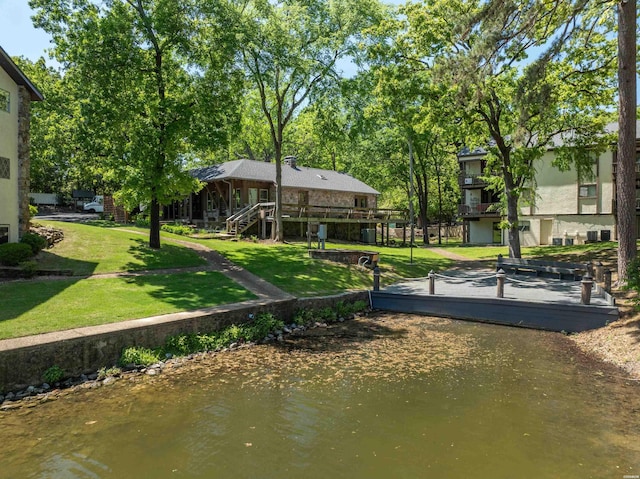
322 232
369 235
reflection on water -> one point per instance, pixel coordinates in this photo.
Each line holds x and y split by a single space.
402 397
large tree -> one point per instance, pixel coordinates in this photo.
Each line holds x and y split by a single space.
626 174
150 74
290 49
563 92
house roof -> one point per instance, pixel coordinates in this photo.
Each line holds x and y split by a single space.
292 176
557 141
18 76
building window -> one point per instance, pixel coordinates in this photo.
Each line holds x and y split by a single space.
238 197
264 196
4 234
524 226
361 202
5 168
5 100
303 198
588 191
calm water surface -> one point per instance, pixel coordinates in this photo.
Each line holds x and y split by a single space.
416 398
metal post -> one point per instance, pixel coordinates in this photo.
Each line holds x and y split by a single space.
587 285
432 282
599 272
500 276
607 280
376 278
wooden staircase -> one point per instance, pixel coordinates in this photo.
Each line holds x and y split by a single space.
248 216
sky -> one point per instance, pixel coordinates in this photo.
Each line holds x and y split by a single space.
18 37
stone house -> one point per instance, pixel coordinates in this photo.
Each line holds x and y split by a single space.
562 207
16 95
309 195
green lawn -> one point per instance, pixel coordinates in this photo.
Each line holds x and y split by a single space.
580 253
52 305
92 249
289 267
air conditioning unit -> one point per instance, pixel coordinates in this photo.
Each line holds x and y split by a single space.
468 181
605 235
568 241
557 241
592 236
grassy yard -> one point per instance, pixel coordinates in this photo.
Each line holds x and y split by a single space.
92 249
48 305
289 267
53 305
577 253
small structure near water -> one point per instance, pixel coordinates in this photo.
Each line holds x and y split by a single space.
548 304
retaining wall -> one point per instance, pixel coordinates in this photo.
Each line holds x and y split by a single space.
84 350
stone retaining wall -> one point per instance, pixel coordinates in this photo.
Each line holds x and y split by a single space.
81 351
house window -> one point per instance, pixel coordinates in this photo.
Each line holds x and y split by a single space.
361 202
237 196
211 201
588 191
253 196
5 100
4 234
524 226
5 168
264 196
303 197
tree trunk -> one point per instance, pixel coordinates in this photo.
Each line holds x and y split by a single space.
626 175
512 217
277 233
154 225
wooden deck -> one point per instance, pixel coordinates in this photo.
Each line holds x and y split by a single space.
547 304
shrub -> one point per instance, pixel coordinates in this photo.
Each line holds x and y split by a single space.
263 324
35 241
139 356
178 229
327 314
53 375
104 373
12 254
303 316
142 222
33 210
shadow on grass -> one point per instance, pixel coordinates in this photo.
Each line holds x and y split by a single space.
192 291
19 297
168 256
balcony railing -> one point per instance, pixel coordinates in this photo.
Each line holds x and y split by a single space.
347 213
471 180
479 209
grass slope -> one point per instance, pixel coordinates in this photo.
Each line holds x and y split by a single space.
92 249
34 307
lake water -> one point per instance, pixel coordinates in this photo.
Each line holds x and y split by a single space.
397 397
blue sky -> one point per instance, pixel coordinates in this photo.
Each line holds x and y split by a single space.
18 37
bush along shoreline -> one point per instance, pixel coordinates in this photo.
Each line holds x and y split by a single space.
264 329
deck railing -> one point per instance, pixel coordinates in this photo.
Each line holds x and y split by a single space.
479 209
